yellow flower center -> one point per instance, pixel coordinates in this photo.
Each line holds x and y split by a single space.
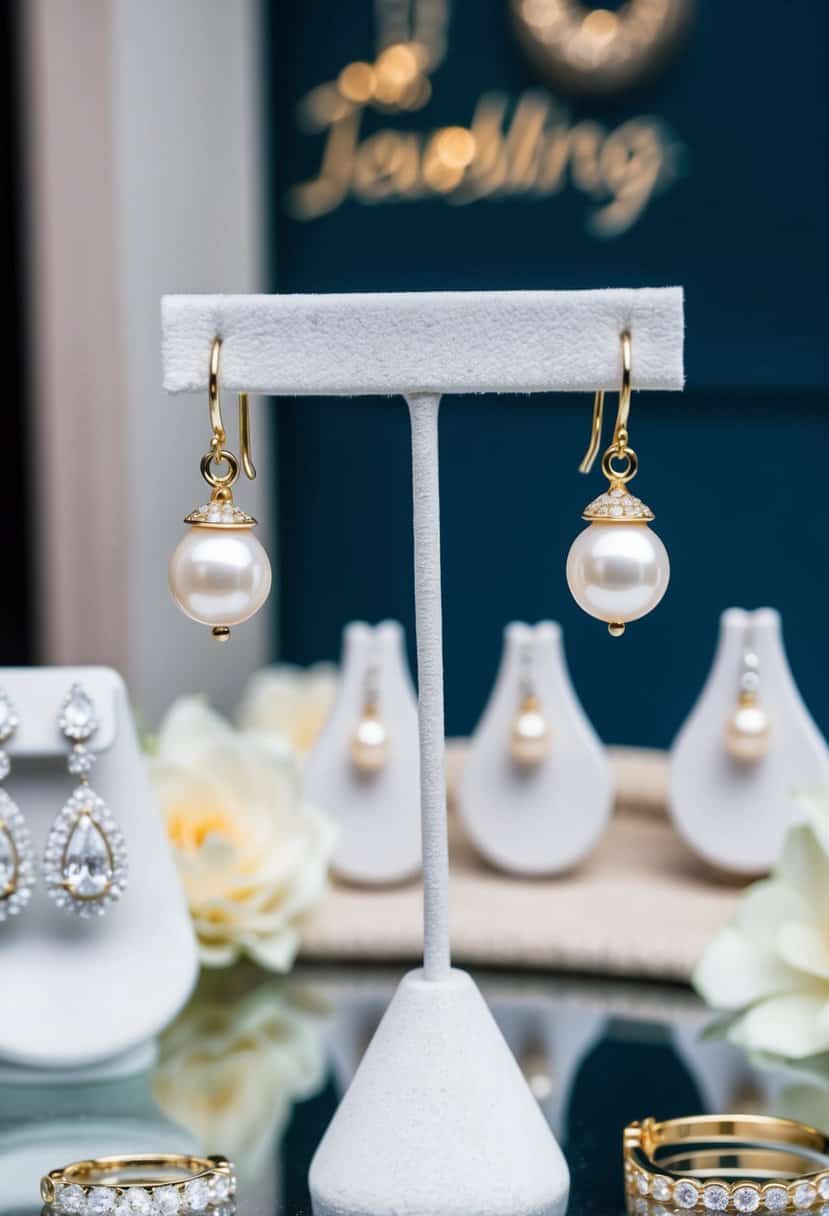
189 827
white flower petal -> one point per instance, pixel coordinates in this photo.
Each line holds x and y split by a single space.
252 855
816 805
791 1025
188 727
292 702
224 955
766 906
806 948
735 971
804 867
277 953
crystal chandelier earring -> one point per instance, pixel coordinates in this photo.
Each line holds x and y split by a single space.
530 734
85 863
219 573
370 741
748 729
17 865
617 568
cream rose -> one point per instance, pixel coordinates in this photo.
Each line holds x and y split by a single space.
770 966
252 856
293 702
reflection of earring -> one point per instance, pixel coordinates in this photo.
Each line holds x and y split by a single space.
530 735
219 573
748 730
370 741
17 868
85 863
617 568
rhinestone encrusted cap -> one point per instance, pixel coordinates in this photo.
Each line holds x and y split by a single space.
220 515
617 506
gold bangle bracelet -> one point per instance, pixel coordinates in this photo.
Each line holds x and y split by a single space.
728 1163
163 1185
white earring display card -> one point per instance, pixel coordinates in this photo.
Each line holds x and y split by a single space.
733 809
536 790
118 978
364 769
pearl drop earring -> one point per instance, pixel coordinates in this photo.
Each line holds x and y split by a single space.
370 741
748 729
530 735
617 568
219 573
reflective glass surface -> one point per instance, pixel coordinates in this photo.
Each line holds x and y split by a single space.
256 1065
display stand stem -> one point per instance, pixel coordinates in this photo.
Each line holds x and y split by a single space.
423 411
438 1117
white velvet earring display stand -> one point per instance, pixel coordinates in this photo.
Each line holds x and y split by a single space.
378 813
734 816
79 993
548 817
438 1118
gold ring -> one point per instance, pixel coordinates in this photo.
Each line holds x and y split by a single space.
163 1185
727 1163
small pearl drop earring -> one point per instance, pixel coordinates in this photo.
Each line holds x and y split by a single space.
748 729
530 735
219 573
370 741
617 568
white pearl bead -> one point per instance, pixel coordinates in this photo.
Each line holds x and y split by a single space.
369 744
618 572
219 576
530 740
748 733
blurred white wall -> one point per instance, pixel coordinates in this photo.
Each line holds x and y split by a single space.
165 131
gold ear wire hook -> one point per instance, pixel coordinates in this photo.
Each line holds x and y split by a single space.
214 404
219 439
620 434
244 436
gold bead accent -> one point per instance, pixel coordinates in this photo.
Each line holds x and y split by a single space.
616 629
221 633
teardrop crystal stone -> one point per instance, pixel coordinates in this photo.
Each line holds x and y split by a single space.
8 863
77 716
87 862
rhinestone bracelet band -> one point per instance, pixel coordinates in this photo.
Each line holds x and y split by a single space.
727 1163
166 1185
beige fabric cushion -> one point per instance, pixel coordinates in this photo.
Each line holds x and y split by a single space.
641 906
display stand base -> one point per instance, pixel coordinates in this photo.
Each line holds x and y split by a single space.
438 1118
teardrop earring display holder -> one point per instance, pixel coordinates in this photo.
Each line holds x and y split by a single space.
438 1118
734 814
377 810
82 994
546 817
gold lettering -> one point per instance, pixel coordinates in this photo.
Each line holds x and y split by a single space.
632 162
325 193
534 150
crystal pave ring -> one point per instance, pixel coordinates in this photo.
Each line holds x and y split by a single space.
727 1163
164 1185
